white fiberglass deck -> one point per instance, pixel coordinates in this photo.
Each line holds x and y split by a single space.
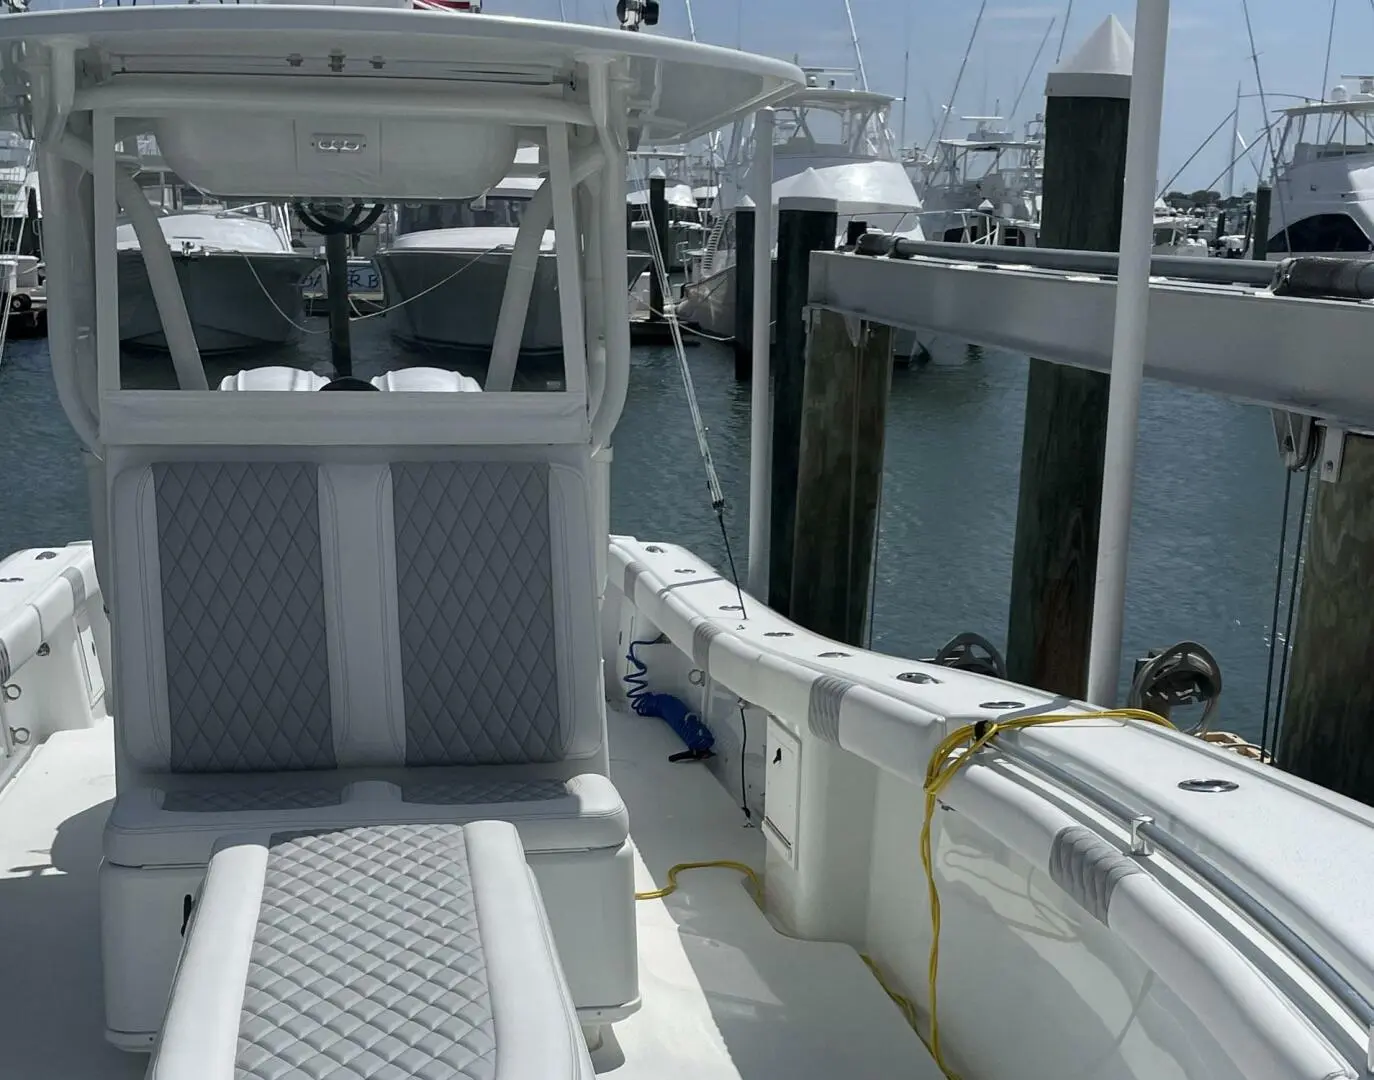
725 996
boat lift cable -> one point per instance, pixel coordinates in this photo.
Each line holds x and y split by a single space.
373 314
1064 30
659 267
1201 147
1293 586
1274 620
939 132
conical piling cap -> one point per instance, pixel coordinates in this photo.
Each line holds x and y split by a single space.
1101 66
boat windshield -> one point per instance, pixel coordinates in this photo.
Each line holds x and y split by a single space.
1345 129
831 127
494 210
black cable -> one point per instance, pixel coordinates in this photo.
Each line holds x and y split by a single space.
730 557
743 746
1292 611
1274 621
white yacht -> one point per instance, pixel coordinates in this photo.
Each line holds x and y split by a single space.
984 188
688 221
1323 200
828 142
240 276
445 269
317 761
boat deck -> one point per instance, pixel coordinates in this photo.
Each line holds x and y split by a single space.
725 996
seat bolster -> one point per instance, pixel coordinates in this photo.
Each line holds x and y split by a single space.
528 992
581 694
582 813
202 1023
140 687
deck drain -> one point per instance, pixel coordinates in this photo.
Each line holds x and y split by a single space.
1209 787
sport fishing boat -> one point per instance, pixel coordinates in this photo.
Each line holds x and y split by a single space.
318 757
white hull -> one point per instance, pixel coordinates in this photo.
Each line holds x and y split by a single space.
462 313
230 307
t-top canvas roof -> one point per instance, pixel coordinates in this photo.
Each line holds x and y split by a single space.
678 89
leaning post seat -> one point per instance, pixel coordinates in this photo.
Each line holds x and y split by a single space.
322 638
411 950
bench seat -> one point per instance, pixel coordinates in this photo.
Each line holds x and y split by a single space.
385 952
178 821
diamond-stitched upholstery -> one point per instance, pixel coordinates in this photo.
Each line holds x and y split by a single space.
218 802
367 961
474 583
243 616
452 793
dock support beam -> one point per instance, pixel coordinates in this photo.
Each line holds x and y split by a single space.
1058 513
804 225
1327 735
840 473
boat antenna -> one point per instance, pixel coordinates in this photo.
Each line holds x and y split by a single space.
1330 33
1235 138
939 133
1270 153
1063 32
854 38
1011 116
906 76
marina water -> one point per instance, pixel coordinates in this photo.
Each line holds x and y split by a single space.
1204 545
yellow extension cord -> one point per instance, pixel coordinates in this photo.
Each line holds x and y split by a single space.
954 752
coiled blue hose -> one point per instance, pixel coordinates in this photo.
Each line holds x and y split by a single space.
695 735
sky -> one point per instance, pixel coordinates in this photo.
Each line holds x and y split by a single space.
1209 55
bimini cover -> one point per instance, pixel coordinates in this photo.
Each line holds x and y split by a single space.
336 156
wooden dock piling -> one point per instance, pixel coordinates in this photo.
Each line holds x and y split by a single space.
744 292
1264 197
1054 562
804 225
848 377
1327 735
658 222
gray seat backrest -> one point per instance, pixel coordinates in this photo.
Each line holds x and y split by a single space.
278 616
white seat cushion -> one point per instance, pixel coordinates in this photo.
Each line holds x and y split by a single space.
391 951
178 823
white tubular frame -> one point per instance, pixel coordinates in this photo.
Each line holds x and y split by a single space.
610 128
569 259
